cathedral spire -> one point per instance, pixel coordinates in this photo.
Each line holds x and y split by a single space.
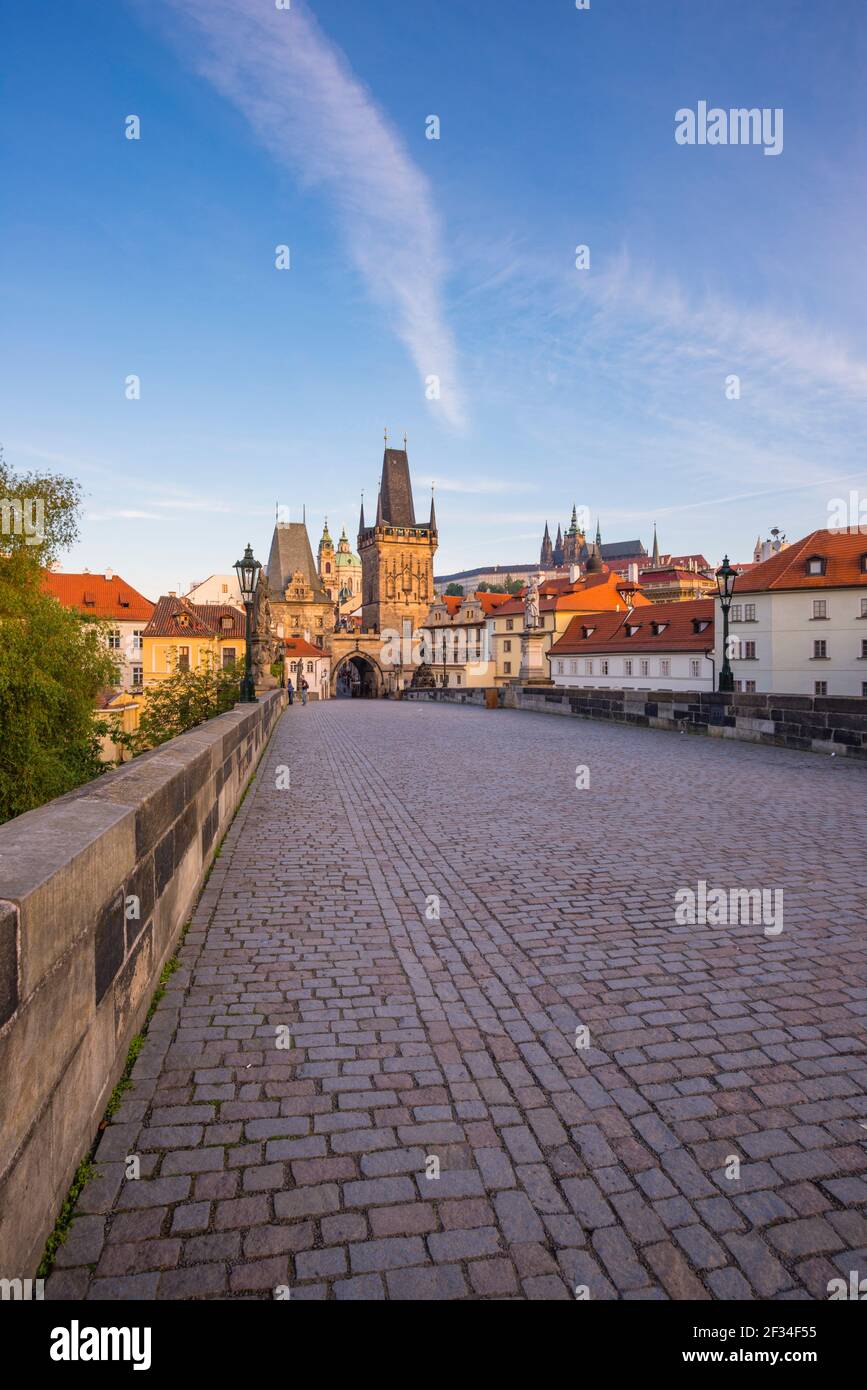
655 546
361 518
433 517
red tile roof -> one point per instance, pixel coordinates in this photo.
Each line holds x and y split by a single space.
610 630
843 552
595 592
98 597
177 617
297 646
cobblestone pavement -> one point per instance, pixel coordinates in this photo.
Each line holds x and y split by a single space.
411 1039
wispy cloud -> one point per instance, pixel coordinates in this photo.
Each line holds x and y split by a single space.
309 110
477 486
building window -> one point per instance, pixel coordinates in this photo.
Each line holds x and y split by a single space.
137 675
737 612
820 650
748 651
510 623
605 668
229 658
665 667
457 678
573 668
645 668
816 564
588 668
310 666
559 668
507 668
820 608
114 640
136 639
864 608
820 687
627 667
749 687
749 612
694 667
183 658
864 649
507 645
864 688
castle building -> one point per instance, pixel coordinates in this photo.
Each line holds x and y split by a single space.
300 604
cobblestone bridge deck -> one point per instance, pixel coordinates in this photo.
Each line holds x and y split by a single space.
411 1039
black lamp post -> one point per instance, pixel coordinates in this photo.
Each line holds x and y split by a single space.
247 570
725 583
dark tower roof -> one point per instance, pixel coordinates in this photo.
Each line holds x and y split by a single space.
290 551
433 516
395 491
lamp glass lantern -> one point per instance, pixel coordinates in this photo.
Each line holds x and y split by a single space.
247 570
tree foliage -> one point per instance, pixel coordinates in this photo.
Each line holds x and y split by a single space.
52 667
58 499
455 590
180 702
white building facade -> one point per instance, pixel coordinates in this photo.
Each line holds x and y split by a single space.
798 621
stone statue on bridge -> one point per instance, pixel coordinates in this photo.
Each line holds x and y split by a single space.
531 603
265 647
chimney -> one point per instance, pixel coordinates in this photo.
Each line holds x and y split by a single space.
574 573
632 572
109 574
173 593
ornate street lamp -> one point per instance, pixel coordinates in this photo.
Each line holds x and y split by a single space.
247 570
725 583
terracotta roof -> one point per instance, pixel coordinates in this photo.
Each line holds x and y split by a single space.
97 596
297 646
841 550
610 630
595 592
666 573
177 617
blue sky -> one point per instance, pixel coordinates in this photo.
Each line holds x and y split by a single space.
412 257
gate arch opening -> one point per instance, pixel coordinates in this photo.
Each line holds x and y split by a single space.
357 677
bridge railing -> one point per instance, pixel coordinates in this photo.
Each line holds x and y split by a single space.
94 890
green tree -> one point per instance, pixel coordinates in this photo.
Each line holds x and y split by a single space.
180 702
455 590
52 667
39 513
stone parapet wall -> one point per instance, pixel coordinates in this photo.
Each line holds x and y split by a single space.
821 724
94 890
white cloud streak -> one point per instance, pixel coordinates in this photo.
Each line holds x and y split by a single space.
305 105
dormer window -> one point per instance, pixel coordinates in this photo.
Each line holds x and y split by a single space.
817 564
183 620
700 624
864 563
227 624
587 632
631 629
658 628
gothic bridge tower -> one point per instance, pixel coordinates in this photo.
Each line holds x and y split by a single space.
397 585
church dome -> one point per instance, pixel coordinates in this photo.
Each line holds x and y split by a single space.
344 558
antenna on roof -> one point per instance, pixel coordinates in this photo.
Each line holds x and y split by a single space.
385 436
404 441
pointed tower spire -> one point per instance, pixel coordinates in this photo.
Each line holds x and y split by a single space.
361 517
655 546
433 518
379 508
573 525
598 537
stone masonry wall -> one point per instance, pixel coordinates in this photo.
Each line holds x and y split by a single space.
77 967
823 724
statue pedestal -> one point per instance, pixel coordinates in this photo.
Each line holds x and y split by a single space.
534 664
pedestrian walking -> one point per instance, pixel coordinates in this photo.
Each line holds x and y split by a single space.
290 690
304 688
